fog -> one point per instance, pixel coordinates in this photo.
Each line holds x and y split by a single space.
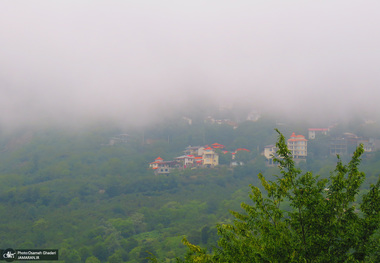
72 62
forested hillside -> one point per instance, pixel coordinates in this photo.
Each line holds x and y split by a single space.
98 201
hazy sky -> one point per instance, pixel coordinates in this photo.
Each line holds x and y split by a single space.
82 60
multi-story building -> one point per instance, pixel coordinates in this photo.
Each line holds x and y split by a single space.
270 153
162 167
314 131
210 158
338 146
297 144
185 161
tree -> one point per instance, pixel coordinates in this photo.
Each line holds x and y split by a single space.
322 224
92 259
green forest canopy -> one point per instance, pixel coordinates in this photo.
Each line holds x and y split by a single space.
323 223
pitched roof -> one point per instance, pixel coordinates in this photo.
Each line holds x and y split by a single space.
217 145
295 137
242 149
297 140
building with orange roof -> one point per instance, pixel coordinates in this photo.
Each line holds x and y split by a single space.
161 167
198 160
210 158
218 146
242 149
155 164
297 144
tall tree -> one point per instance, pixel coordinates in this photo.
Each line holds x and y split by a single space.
323 223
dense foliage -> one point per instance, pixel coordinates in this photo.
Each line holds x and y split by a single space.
322 223
97 202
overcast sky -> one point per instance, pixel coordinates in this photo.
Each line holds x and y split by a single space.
82 60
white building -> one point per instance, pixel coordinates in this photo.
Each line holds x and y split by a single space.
314 131
269 153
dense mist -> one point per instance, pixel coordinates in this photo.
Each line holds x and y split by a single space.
70 62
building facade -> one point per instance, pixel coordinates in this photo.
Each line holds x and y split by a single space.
297 144
270 153
210 158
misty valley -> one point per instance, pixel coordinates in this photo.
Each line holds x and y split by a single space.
189 131
92 193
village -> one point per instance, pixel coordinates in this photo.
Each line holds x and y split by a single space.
208 156
195 157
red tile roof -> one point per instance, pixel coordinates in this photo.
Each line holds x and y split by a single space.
295 137
242 149
296 140
217 146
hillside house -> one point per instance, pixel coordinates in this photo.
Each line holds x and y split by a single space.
118 139
185 161
242 149
194 150
314 131
338 146
269 153
218 146
297 144
344 144
370 145
198 160
157 161
162 167
210 158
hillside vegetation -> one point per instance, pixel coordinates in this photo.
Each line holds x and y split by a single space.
97 202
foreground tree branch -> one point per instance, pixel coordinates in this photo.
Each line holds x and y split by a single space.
323 225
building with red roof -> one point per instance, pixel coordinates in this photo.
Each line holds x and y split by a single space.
242 149
297 144
155 164
210 158
218 146
161 167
